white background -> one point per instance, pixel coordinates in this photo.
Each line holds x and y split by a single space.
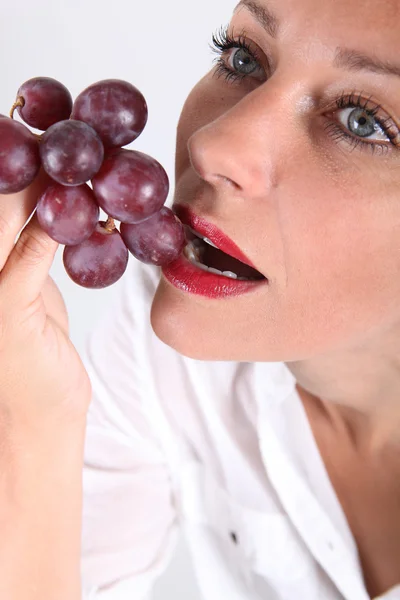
161 46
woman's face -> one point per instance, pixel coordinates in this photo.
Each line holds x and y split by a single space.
297 161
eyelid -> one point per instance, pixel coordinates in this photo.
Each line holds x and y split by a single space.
371 105
263 57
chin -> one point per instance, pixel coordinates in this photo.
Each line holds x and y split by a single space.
173 324
208 331
187 326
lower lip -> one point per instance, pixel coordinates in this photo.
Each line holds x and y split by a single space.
187 277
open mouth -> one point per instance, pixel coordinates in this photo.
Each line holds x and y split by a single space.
202 253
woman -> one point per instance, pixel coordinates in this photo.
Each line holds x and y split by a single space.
261 414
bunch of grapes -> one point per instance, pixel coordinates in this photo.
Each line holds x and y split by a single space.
83 143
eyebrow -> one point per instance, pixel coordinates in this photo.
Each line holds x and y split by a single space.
263 15
345 58
352 60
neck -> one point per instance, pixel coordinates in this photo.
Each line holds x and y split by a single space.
359 393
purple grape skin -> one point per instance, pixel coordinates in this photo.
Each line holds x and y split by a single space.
69 215
71 152
158 241
46 101
116 109
19 156
99 261
130 186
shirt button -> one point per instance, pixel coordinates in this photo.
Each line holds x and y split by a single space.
234 537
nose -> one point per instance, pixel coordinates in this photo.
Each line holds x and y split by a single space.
237 150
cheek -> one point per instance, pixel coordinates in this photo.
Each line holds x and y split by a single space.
342 256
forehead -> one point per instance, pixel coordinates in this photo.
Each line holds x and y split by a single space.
375 22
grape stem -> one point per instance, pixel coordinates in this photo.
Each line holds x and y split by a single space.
110 225
19 102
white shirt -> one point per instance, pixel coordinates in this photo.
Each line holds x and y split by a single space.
223 452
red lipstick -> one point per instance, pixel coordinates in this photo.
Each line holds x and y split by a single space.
190 278
210 231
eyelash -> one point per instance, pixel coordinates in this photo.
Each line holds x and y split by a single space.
222 42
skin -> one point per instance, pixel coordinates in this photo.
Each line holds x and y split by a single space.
321 220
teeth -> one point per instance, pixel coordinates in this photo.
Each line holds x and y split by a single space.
230 274
191 253
200 265
202 238
210 243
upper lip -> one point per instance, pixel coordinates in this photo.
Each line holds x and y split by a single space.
210 231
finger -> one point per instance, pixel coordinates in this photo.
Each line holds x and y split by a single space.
15 210
26 270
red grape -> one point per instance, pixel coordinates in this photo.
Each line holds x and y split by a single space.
115 109
71 152
19 156
98 261
69 215
130 186
159 240
45 102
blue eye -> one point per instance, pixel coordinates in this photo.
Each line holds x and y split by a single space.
361 124
241 63
360 120
244 63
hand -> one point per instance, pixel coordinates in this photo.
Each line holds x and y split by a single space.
41 374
